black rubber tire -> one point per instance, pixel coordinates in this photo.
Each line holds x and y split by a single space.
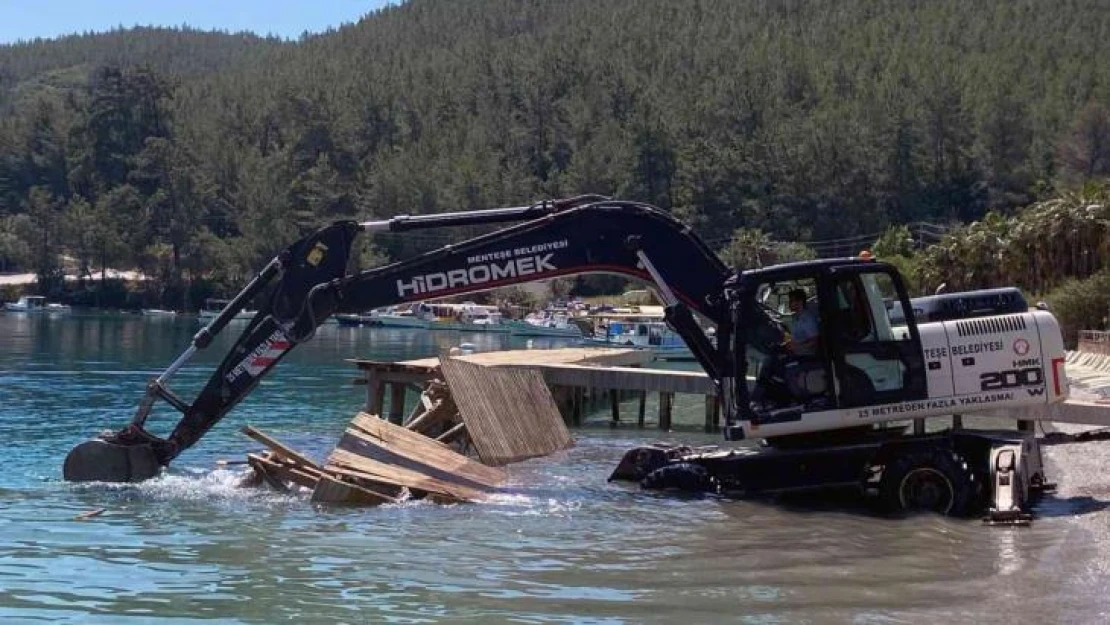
681 476
935 480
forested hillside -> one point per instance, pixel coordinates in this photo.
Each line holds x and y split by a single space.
195 155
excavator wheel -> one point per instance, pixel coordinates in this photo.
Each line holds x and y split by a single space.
98 460
682 476
929 480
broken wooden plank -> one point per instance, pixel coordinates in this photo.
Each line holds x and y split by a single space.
279 448
416 411
452 434
379 451
442 412
509 413
283 472
265 473
84 516
333 490
427 401
391 491
411 448
358 465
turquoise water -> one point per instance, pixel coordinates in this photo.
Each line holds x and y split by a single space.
564 546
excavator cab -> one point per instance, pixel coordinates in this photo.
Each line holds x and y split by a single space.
819 337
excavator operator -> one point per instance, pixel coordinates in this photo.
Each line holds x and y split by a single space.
804 333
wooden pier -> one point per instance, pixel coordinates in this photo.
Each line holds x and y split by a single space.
584 380
580 379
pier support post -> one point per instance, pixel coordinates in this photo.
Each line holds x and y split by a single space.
375 393
576 410
919 426
564 398
666 400
712 412
1025 425
642 410
957 421
396 402
615 400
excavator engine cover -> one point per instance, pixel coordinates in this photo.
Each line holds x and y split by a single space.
98 460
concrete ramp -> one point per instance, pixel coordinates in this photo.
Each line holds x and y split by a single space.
509 413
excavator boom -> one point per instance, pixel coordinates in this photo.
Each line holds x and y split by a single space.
308 282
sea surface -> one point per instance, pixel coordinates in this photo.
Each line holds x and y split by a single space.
564 547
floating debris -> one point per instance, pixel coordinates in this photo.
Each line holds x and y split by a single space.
499 415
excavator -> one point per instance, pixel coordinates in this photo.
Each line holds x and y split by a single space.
822 414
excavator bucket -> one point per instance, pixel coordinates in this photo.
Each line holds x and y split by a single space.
98 460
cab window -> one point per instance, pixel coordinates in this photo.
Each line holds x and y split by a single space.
786 363
880 362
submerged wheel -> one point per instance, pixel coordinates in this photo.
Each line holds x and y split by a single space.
928 481
681 476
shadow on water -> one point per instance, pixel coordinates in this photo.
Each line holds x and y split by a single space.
851 502
1052 506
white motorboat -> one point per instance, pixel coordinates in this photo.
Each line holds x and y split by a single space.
393 317
641 328
35 304
158 312
465 317
212 308
547 323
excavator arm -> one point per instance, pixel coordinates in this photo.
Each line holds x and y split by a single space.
308 282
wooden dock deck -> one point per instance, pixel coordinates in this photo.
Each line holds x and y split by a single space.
586 379
580 379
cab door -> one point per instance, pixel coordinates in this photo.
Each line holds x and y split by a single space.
875 361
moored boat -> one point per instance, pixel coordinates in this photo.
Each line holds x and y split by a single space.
465 317
546 323
639 328
213 307
35 304
353 320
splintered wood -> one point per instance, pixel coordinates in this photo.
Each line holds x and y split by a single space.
501 415
508 412
282 467
376 462
375 449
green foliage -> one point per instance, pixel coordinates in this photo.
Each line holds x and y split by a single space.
753 248
896 241
790 252
197 156
896 246
14 249
1036 249
1081 305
